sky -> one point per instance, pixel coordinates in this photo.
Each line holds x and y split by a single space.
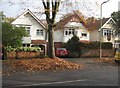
87 7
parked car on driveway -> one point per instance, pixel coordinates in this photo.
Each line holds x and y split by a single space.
117 55
61 52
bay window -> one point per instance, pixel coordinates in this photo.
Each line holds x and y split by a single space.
107 32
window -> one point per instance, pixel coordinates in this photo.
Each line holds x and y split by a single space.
39 32
70 31
26 45
27 28
107 32
84 34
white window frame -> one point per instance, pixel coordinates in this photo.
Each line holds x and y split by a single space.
106 32
39 32
82 34
27 28
70 31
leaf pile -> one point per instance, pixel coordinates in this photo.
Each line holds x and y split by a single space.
105 60
44 64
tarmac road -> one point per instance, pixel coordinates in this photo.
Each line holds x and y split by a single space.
94 74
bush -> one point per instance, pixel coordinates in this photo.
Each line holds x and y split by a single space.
107 45
30 49
91 45
9 48
96 45
73 45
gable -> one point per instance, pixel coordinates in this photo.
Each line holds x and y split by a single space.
108 24
74 19
28 18
74 24
69 20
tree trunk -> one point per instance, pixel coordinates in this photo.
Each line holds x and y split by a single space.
4 52
51 51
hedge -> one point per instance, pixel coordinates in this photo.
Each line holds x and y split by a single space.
29 49
96 45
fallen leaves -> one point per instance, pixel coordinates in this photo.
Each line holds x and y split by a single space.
105 60
44 64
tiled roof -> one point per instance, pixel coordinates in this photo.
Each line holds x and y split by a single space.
97 24
61 24
90 26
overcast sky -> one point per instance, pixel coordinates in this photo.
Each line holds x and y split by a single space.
87 7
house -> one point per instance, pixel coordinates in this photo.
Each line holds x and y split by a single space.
66 28
71 24
34 27
107 32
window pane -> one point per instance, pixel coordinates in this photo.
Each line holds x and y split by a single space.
84 34
39 32
69 32
66 32
28 31
105 33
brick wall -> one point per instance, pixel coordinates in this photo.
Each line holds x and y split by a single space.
23 55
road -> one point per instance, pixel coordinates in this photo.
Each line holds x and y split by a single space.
93 74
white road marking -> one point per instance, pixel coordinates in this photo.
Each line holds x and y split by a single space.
53 83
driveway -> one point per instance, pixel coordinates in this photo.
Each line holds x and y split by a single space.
93 74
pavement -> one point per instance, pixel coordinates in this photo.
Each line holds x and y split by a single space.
93 74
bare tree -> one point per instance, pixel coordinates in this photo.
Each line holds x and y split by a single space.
51 8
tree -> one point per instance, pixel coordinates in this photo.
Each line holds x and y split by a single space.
73 45
11 37
9 19
116 17
2 15
50 13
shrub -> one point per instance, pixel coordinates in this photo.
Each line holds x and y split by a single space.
73 45
9 48
96 45
107 45
91 45
30 49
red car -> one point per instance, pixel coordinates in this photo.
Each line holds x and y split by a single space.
61 52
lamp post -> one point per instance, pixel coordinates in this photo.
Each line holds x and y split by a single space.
101 27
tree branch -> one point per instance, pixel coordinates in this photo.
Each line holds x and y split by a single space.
44 4
55 9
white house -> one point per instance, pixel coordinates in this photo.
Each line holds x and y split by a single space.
35 28
108 34
73 24
69 26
